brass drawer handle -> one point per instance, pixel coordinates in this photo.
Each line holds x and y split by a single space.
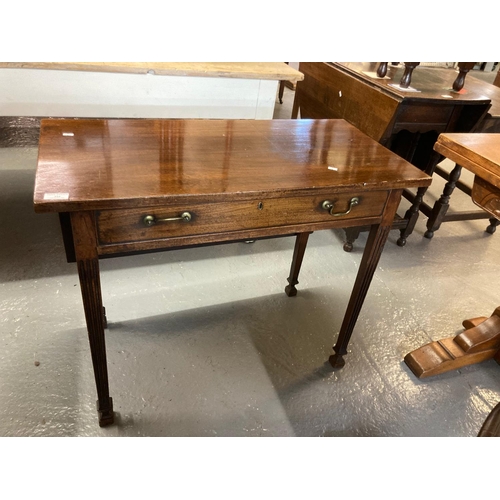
151 220
328 205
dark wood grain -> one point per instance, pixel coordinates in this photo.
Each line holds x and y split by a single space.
141 163
329 92
120 226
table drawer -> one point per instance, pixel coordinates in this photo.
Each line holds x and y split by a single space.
486 196
128 225
425 113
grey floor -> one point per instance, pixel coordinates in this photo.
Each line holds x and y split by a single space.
204 342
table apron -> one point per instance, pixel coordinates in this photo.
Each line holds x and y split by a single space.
248 234
129 225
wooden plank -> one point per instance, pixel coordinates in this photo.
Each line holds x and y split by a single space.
254 70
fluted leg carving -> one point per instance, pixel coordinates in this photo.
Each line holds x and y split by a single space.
84 235
88 271
371 256
298 255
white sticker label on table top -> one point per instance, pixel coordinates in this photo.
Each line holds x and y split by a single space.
56 196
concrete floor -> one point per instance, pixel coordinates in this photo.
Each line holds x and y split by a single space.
204 342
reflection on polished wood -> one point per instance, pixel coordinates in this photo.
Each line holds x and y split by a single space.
129 163
128 185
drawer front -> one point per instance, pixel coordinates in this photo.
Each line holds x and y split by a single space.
128 225
486 196
424 113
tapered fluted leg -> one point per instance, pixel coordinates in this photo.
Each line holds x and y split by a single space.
88 271
371 256
298 255
83 226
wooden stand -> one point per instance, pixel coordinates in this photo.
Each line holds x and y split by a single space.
480 341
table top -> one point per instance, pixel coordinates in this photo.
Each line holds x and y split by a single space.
479 153
92 164
433 83
257 70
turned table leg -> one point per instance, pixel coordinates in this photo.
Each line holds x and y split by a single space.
406 78
83 225
351 235
382 69
493 225
411 216
463 69
298 255
441 206
371 256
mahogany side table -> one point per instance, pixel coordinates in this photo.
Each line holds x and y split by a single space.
123 186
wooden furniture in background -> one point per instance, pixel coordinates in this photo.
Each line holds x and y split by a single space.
479 153
142 185
142 89
496 81
480 341
405 121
